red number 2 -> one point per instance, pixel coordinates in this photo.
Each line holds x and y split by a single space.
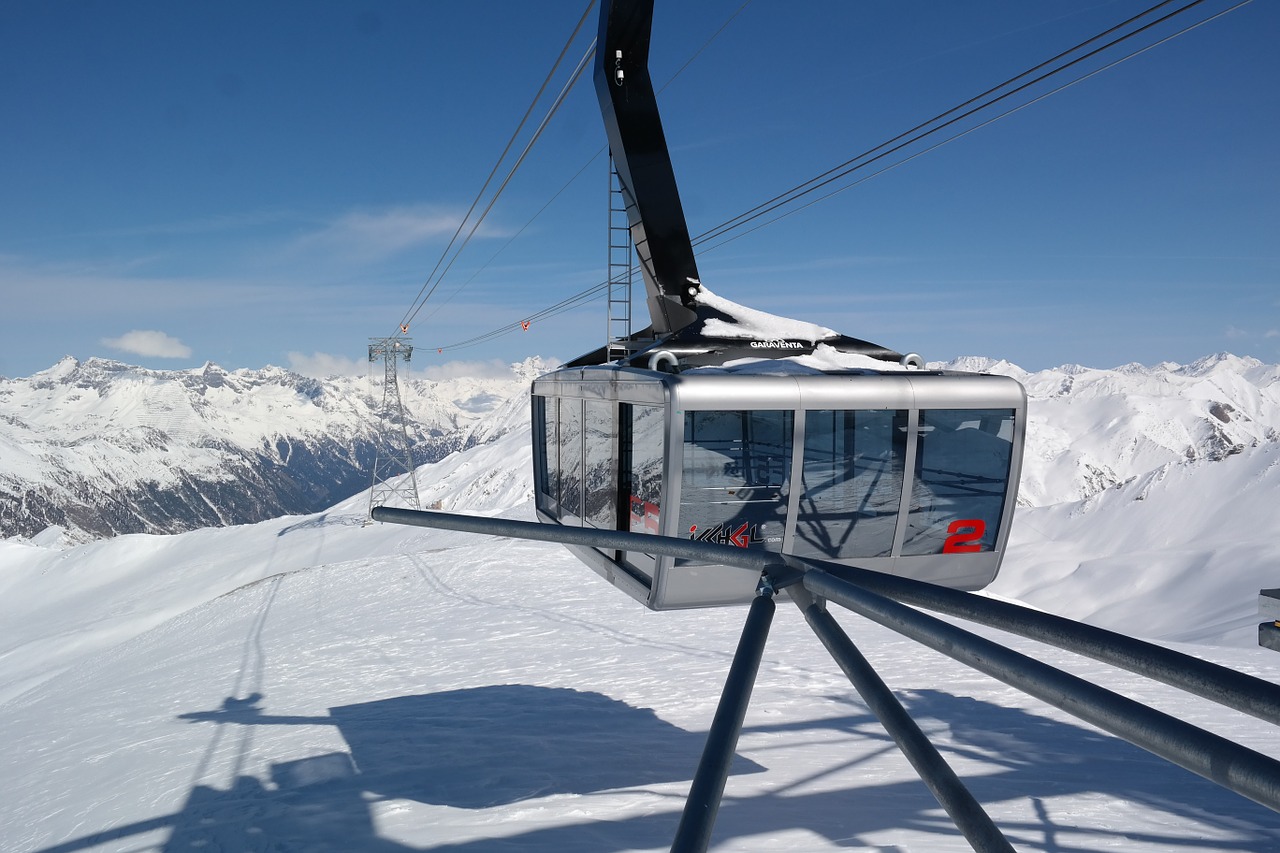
965 536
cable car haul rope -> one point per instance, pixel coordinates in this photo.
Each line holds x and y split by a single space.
972 114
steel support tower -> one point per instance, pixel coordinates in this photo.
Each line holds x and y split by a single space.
394 480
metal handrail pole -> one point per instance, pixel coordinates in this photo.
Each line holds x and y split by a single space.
591 537
1238 690
970 817
700 809
1217 759
1243 692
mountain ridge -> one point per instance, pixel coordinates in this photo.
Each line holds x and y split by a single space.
99 448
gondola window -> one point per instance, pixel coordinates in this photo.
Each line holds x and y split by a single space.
852 483
642 465
737 465
961 478
601 467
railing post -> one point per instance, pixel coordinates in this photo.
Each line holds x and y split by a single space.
969 816
700 809
1216 683
1235 767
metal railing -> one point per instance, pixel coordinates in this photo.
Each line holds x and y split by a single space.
885 599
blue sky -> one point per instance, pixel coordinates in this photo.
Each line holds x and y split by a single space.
272 183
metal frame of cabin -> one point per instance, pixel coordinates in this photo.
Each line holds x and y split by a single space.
912 473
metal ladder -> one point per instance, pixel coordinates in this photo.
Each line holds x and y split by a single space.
619 311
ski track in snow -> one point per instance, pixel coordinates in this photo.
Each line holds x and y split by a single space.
310 683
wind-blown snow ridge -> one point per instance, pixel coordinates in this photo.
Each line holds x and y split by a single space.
752 323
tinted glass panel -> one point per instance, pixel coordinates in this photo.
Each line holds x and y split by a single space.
736 467
544 432
601 460
962 474
571 457
642 466
852 478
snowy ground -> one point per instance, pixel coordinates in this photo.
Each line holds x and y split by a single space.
315 684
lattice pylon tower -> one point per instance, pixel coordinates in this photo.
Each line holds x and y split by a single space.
394 482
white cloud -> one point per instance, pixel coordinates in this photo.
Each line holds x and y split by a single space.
150 344
1235 333
492 369
1272 333
368 234
322 365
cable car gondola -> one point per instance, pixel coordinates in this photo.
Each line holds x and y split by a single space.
727 425
783 451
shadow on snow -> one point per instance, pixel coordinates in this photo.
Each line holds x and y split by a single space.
494 746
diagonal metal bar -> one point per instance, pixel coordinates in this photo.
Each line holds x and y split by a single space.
1217 759
1203 678
1237 690
700 809
621 540
969 816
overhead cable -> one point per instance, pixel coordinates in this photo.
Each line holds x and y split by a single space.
918 133
706 236
907 138
707 43
416 306
577 72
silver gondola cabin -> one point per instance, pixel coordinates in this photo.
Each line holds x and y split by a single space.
719 423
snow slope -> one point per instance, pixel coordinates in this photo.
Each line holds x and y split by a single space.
1176 554
1091 429
311 683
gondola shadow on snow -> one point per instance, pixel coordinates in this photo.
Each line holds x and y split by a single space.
473 749
488 747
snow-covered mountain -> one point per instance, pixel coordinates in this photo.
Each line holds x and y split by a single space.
100 448
309 683
1091 429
